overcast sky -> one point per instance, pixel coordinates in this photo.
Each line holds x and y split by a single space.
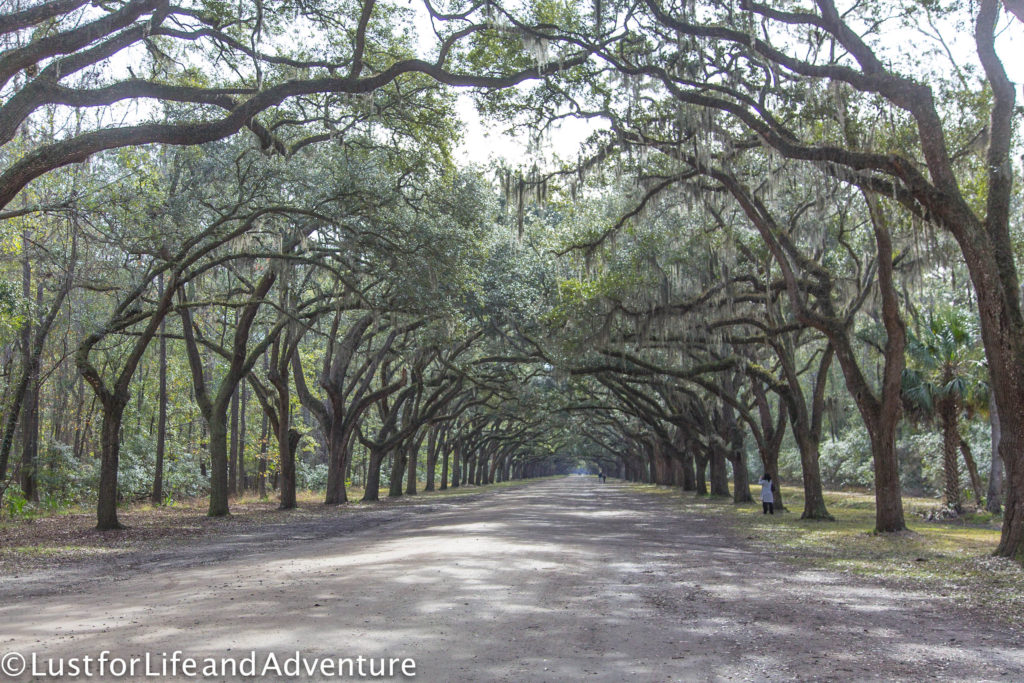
485 142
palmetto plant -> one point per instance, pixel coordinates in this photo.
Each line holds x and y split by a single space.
944 377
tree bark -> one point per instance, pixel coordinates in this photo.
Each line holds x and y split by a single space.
218 448
719 472
372 489
338 445
888 495
161 423
736 451
432 447
456 465
701 466
287 439
110 448
398 463
30 363
685 454
947 409
994 500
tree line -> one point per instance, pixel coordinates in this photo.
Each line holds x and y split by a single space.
786 218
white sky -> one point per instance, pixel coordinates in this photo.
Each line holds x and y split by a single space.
485 142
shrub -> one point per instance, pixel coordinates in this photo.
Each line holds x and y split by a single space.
311 477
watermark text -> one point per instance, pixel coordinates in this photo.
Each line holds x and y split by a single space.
253 664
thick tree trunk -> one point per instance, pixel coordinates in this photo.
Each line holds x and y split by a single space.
687 465
288 440
686 461
888 494
110 449
701 467
456 466
374 461
810 467
397 472
337 447
880 416
658 461
1011 543
737 456
217 424
445 455
740 479
719 472
481 468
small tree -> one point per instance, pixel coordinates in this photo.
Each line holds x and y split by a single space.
942 378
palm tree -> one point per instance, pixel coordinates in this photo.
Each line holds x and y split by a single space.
943 376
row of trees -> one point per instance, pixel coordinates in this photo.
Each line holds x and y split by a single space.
821 159
779 198
339 304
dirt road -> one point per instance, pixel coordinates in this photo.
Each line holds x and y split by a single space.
559 580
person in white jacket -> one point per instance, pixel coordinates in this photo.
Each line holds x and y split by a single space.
767 497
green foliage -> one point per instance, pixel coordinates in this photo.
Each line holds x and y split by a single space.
63 479
182 476
310 477
846 462
945 360
16 504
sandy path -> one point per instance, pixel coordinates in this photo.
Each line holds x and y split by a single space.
558 580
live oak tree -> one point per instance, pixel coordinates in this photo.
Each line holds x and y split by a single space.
774 191
137 315
215 70
809 85
926 177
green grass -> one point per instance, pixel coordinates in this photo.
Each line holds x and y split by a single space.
951 559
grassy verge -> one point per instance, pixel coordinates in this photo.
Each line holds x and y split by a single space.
42 540
949 559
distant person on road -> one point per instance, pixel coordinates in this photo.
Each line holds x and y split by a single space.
600 475
767 497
